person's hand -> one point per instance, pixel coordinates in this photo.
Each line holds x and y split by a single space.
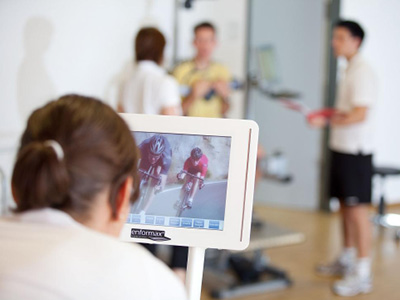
201 184
261 153
317 121
201 88
179 176
222 88
337 119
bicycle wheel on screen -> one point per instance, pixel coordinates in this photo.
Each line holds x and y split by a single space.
183 204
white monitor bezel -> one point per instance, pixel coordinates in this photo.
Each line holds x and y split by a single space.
242 165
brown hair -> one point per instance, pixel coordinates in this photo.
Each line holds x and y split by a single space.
204 25
149 45
99 152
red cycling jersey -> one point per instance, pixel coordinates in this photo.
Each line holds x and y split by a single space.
200 168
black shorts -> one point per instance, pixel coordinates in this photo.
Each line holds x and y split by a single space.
351 178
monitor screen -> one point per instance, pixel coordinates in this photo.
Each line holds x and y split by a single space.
267 63
183 180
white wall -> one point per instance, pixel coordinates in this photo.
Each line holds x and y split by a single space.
50 48
57 47
380 19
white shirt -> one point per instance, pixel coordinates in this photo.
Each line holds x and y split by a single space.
150 89
357 88
45 254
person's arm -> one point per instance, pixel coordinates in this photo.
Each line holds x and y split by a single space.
204 166
203 171
364 94
222 87
199 90
181 175
357 115
225 106
160 171
120 108
318 122
186 165
170 111
187 103
223 90
202 174
179 73
170 98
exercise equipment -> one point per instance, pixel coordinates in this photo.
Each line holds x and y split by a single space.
381 218
231 274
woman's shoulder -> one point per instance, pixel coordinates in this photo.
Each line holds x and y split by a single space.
150 276
128 268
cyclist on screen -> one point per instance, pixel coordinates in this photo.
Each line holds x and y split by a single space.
195 165
154 165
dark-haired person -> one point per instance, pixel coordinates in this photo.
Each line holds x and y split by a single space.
150 90
352 147
208 80
196 165
73 181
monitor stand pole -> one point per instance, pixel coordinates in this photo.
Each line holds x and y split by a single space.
194 276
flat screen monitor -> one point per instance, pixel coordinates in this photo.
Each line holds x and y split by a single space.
196 181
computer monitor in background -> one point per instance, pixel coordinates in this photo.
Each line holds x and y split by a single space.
267 64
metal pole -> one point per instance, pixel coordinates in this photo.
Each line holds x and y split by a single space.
333 13
175 37
195 268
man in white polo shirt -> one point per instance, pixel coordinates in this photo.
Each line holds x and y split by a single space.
351 148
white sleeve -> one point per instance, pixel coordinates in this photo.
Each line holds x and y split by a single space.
127 98
364 87
169 92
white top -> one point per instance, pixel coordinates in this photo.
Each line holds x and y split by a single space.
45 254
357 88
149 90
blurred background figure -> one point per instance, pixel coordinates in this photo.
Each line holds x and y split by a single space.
351 145
150 90
208 80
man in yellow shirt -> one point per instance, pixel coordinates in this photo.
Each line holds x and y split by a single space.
208 81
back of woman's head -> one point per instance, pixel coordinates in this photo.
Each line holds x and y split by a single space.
149 45
98 153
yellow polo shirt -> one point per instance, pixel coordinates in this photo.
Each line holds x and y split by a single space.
187 74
